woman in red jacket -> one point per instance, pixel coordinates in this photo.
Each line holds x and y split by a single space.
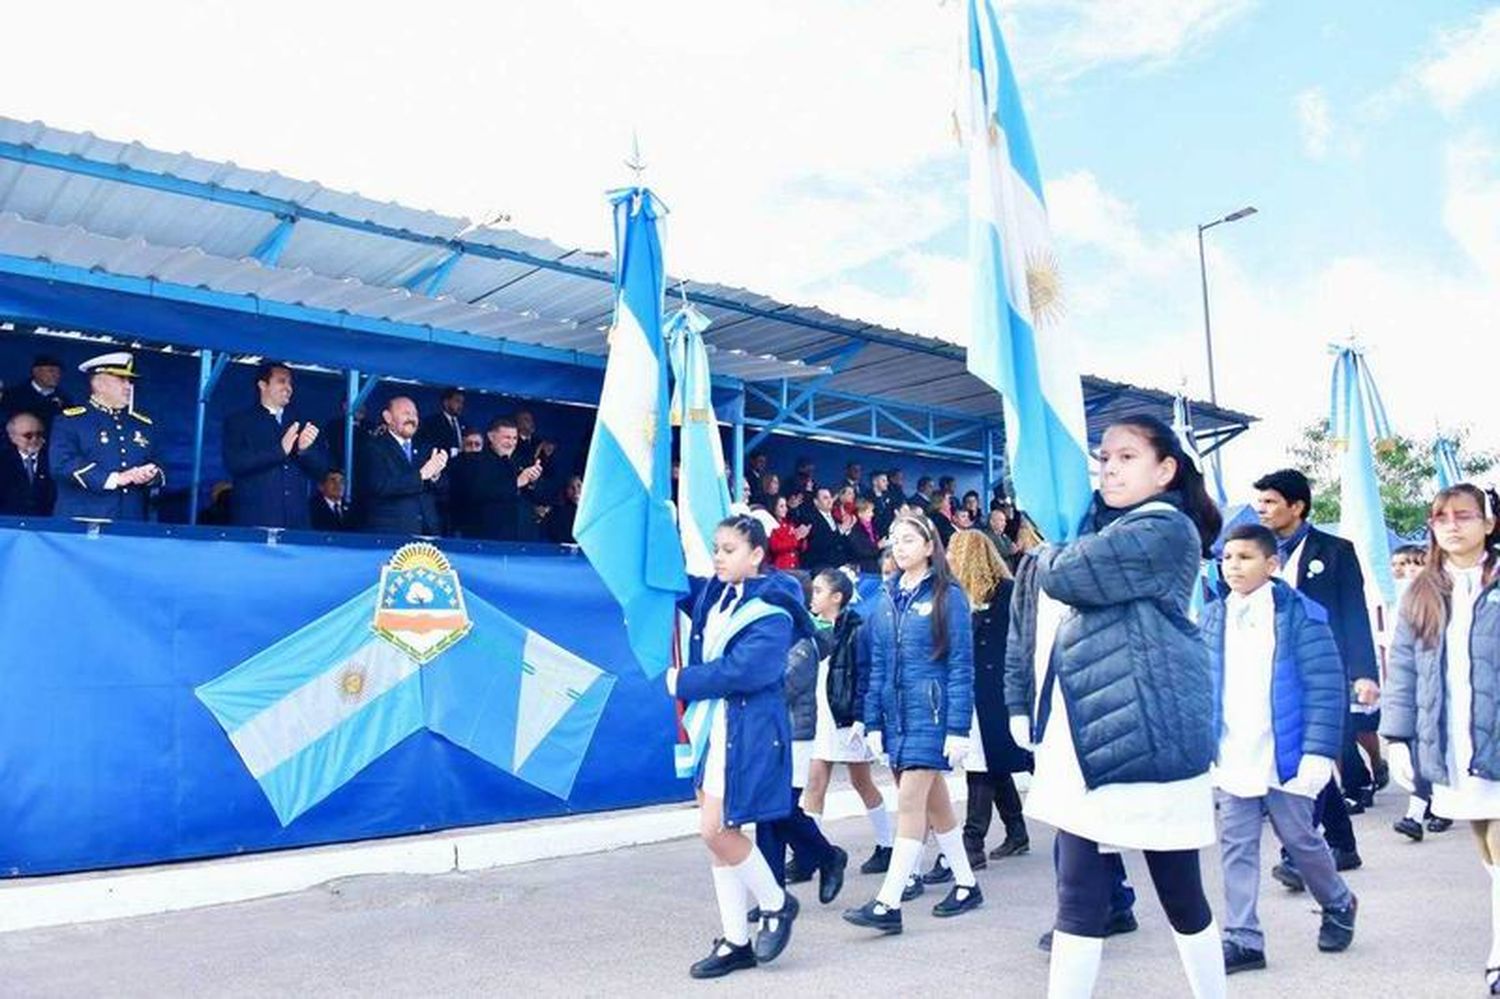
789 540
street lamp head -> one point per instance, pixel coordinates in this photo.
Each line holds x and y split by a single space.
1245 212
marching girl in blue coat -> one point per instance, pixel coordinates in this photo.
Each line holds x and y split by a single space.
744 624
918 710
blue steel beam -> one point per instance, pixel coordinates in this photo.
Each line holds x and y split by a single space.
210 369
845 355
430 280
270 249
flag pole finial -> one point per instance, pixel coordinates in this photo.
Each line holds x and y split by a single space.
635 163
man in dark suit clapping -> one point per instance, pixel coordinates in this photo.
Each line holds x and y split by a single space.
272 455
26 486
398 484
494 488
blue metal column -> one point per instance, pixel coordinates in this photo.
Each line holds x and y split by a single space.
209 370
355 394
739 452
988 447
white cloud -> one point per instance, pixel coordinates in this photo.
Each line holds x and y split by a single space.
1313 121
1077 36
1465 62
1471 209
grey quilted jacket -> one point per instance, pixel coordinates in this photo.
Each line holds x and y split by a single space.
1133 670
1414 703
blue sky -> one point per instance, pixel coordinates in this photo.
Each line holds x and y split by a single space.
806 152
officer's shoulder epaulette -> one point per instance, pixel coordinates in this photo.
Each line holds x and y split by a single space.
75 411
142 417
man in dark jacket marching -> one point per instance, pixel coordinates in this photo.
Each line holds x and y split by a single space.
273 455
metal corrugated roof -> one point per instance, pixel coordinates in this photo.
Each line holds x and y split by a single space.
207 220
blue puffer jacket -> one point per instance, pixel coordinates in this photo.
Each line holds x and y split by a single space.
750 676
1308 700
914 700
1133 670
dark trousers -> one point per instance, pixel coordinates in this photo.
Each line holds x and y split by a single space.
1085 878
989 793
799 832
1121 894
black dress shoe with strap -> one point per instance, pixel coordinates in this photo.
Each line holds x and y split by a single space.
723 959
876 916
776 930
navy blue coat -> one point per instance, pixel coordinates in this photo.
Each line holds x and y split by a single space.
22 495
270 486
1339 587
914 700
88 443
1308 694
391 493
750 676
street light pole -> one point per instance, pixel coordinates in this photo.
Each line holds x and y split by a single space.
1208 332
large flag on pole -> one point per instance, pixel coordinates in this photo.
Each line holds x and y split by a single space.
1445 460
1182 427
625 524
1016 343
1356 414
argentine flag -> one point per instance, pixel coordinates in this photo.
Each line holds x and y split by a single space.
625 524
1445 460
1356 410
1017 345
1182 428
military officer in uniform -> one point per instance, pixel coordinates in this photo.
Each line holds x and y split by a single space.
104 453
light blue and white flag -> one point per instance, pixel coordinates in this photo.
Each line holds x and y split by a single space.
625 524
1017 344
317 707
1355 415
1445 460
1182 427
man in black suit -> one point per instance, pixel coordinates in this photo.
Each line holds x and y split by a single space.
398 484
26 486
493 488
272 455
326 508
444 428
40 396
827 547
1325 569
886 501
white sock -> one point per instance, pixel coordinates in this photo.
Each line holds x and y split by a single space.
1493 961
1415 808
952 845
1202 955
906 854
755 874
733 903
1075 966
880 821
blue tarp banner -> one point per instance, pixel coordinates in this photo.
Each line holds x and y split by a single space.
107 758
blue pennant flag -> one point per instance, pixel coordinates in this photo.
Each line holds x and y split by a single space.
625 523
1357 412
1018 346
1445 460
702 488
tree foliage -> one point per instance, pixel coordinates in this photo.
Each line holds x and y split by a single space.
1403 465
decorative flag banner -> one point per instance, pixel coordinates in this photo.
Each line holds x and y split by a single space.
625 524
314 709
1017 344
1356 414
1445 460
702 492
1182 426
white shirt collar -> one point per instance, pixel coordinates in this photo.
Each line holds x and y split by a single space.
45 393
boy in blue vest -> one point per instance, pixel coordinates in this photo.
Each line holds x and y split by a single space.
1281 703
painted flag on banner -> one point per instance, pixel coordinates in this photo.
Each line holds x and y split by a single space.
625 524
1017 345
1356 413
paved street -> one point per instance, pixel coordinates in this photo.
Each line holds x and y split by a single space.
630 922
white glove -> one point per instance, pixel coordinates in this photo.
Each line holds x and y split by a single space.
955 748
858 728
1020 732
1398 758
1313 774
875 743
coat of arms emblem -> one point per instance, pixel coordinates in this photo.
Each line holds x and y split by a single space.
419 607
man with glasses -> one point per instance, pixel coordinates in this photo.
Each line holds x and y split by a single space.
1326 569
26 486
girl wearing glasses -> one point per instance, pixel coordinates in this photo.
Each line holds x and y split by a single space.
1441 708
917 710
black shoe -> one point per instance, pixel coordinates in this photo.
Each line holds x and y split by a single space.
1354 806
1437 825
724 958
831 876
876 916
795 875
959 901
1121 922
1408 827
1492 980
1382 776
1288 876
940 874
1238 958
1011 848
1347 860
879 862
977 860
914 887
776 930
1337 931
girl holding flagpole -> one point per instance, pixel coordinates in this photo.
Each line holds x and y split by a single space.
1441 703
739 753
917 710
1109 678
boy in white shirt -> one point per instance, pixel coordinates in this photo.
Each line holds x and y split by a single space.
1281 706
